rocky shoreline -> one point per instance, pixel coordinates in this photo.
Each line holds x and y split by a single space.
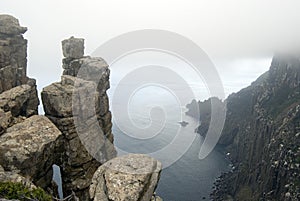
262 136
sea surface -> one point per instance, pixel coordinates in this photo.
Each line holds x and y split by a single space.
184 176
148 123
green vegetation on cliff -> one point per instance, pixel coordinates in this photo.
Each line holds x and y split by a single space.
10 190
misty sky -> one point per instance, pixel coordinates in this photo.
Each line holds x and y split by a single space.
239 36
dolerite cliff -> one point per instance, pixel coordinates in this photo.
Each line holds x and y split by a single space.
75 132
13 53
262 136
26 139
78 106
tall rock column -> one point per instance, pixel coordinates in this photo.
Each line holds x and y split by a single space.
27 140
12 53
18 94
78 106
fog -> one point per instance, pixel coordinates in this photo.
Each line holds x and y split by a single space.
239 36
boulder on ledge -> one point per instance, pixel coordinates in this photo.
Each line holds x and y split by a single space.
28 148
73 47
133 177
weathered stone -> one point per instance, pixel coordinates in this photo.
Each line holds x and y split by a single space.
13 53
6 176
5 120
260 132
21 100
133 177
28 148
90 69
57 100
72 105
73 47
10 25
156 198
11 76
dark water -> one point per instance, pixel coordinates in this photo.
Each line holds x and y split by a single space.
189 178
185 177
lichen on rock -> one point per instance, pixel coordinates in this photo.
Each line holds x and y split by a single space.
132 177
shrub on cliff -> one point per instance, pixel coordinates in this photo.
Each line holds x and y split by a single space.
10 190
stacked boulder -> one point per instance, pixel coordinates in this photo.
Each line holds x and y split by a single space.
132 177
13 53
18 94
75 133
27 140
78 106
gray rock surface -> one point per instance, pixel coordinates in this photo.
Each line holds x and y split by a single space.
76 132
10 25
5 120
28 148
13 53
73 47
133 177
78 106
6 176
24 143
20 101
262 135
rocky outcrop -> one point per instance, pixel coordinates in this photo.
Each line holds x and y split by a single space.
262 136
73 48
28 148
27 141
132 177
17 103
6 120
202 110
78 106
18 94
20 101
6 176
13 53
76 132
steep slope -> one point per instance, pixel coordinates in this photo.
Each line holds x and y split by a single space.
75 133
262 135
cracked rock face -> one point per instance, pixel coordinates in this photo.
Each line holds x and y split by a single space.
13 53
73 47
78 105
10 25
86 134
262 135
20 101
5 120
133 177
6 176
27 148
26 145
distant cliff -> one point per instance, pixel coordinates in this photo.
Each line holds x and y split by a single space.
262 135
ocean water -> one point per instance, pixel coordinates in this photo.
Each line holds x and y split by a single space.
149 124
153 129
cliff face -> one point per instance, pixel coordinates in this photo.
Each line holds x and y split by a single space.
130 177
13 53
18 94
75 132
27 140
78 106
262 135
